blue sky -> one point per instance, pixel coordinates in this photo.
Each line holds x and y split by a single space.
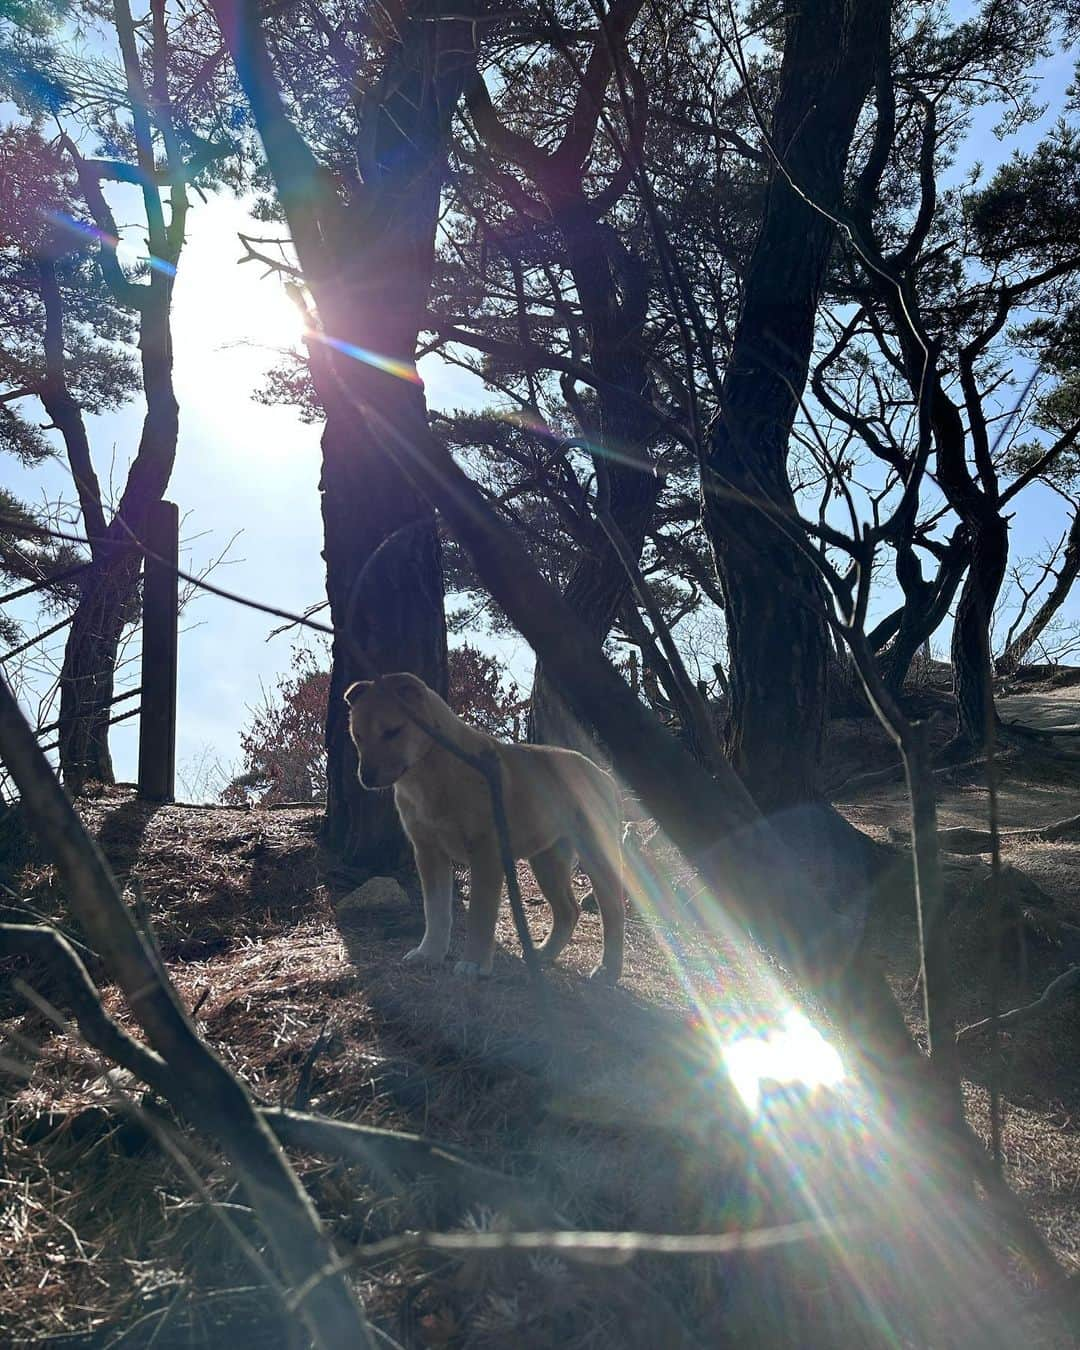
240 462
238 465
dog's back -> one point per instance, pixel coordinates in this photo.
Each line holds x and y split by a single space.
553 793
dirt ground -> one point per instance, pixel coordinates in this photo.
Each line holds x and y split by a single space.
616 1110
1039 1076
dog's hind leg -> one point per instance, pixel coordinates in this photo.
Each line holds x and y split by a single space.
553 869
603 864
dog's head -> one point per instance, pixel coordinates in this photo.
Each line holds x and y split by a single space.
387 740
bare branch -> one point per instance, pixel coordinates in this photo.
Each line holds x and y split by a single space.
199 1082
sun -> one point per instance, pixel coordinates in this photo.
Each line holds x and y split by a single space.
794 1052
221 306
270 317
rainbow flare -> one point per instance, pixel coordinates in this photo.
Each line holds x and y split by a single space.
80 227
403 370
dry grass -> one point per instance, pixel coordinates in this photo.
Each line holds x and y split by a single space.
613 1104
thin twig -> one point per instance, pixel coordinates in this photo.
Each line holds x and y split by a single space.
604 1248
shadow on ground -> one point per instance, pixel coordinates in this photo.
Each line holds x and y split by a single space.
619 1106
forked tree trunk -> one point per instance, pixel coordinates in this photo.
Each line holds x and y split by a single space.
87 675
108 600
1013 656
927 604
973 675
897 658
599 584
775 603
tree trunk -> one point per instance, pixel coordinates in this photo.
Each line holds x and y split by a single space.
897 658
108 598
1012 657
367 261
395 614
87 676
973 681
383 563
775 602
599 584
925 609
779 662
596 591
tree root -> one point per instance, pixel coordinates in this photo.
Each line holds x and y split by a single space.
965 839
1056 992
895 774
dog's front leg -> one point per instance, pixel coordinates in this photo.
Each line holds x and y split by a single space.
437 881
485 890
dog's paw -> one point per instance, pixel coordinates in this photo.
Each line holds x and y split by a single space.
604 975
419 957
470 970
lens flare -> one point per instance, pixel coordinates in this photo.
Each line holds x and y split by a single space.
403 370
930 1259
794 1053
529 421
88 231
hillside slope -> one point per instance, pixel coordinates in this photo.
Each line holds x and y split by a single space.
618 1110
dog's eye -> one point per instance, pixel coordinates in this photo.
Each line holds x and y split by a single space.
392 733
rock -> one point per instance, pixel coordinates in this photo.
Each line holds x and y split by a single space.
971 882
378 895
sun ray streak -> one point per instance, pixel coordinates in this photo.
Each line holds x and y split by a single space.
87 231
403 370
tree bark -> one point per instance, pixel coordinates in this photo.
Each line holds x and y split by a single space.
775 603
107 602
612 285
614 315
972 668
87 675
1012 657
107 598
391 605
926 605
383 560
978 506
368 262
596 591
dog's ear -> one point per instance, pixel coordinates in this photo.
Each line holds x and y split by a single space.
357 690
407 687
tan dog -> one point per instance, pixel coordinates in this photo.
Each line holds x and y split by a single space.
559 805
